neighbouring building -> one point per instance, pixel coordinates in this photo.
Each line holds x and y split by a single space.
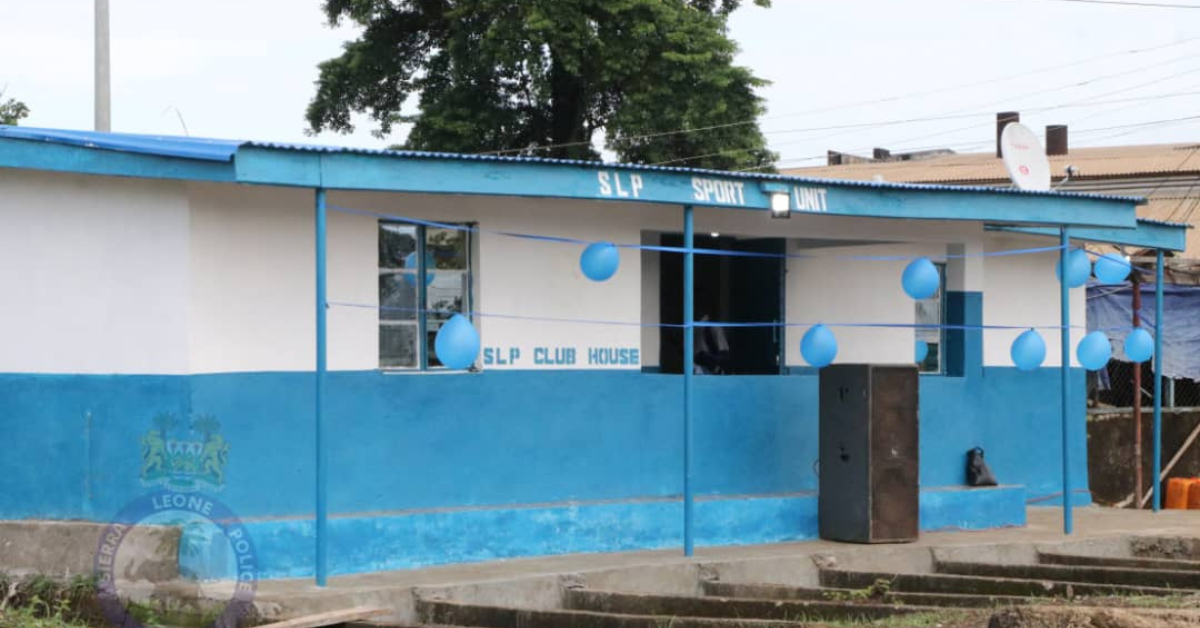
1166 175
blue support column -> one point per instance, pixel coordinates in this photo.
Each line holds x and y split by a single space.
1065 296
689 365
422 300
1158 375
322 462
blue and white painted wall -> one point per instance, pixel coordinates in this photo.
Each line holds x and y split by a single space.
132 298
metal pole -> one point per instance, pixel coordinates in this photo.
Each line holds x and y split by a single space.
689 365
1135 282
1065 296
322 462
103 95
1158 375
422 301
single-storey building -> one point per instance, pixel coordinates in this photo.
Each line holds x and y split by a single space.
168 300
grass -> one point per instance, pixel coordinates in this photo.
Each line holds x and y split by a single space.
39 613
38 601
156 615
27 618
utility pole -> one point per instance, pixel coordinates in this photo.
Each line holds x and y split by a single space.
103 84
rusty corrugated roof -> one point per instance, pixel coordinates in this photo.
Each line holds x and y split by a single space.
1109 161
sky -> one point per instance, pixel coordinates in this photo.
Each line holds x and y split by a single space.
845 74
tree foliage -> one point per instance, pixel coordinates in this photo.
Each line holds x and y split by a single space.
507 75
12 111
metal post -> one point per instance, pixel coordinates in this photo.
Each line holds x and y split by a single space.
1065 296
322 462
689 365
103 95
422 301
1158 375
1136 284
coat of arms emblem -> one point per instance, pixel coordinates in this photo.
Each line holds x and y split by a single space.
181 464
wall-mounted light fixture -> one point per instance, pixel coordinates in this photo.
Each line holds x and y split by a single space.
781 199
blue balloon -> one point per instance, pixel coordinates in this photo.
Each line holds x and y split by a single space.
1079 268
818 346
921 279
1112 268
922 351
1094 351
1139 345
599 261
457 343
1028 351
410 261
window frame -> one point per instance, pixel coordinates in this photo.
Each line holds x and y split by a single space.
942 317
421 322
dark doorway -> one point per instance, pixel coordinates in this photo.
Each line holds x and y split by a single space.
728 288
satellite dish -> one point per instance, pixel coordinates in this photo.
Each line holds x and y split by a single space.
1024 158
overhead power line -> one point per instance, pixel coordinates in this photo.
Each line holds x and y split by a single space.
1137 126
955 116
659 134
1145 5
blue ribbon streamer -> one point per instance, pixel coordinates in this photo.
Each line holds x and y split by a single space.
678 249
722 324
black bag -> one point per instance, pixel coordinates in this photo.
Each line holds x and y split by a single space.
978 473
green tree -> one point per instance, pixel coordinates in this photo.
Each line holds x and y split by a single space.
12 111
508 75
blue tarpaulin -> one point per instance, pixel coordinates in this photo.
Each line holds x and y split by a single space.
1110 308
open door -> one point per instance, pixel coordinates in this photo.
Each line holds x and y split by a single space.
727 289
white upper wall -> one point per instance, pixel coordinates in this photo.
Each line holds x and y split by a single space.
528 278
253 296
135 276
94 274
1024 290
830 288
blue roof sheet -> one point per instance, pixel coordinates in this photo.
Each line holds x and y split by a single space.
161 145
226 150
758 176
1164 223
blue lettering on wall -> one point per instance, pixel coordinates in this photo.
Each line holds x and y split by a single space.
613 356
557 356
496 356
564 356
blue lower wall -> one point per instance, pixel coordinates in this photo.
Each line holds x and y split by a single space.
497 443
416 539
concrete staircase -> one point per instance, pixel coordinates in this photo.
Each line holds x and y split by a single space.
956 593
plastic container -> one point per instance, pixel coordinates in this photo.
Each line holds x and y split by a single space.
1177 493
1193 500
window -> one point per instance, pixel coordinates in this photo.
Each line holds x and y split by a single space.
416 298
932 311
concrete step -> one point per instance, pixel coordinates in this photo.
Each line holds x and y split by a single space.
1070 573
784 592
979 585
1052 558
481 616
733 608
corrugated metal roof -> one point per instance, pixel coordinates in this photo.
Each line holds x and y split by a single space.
1164 223
163 145
758 176
1111 161
1166 211
226 150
